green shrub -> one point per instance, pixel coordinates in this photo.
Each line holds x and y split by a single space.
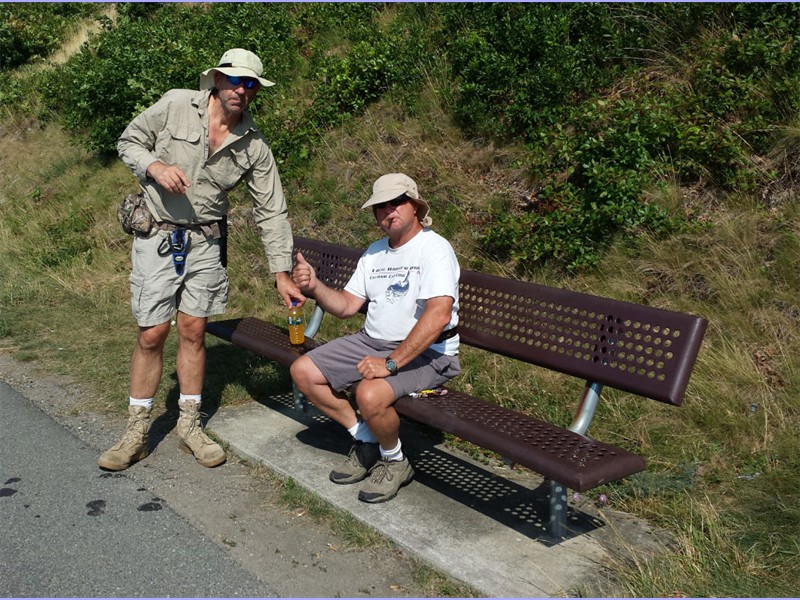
128 67
700 122
32 31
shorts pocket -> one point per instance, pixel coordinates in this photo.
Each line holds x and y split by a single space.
137 289
217 294
446 366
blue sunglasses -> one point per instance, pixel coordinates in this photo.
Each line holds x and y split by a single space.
247 82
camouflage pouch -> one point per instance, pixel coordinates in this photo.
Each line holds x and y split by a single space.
134 216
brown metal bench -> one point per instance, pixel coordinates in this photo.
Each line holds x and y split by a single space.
646 351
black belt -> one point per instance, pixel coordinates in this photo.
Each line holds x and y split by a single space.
446 335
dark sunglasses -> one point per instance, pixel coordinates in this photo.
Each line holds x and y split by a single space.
247 82
395 203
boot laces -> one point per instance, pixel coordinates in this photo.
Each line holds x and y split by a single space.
134 432
355 460
380 471
194 430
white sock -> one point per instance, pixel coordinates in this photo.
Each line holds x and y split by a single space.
364 434
146 402
395 454
194 398
361 433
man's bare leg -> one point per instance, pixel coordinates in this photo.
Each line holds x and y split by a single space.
191 358
147 361
312 383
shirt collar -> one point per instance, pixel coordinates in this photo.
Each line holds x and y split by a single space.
200 101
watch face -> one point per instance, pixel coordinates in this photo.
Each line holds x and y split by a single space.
391 366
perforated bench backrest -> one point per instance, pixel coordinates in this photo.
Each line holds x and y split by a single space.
333 264
638 349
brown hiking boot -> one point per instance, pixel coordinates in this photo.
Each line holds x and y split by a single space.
133 445
193 440
385 480
357 464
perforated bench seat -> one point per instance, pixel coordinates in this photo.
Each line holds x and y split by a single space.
551 451
265 339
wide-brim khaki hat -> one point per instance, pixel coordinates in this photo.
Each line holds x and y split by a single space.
391 186
237 62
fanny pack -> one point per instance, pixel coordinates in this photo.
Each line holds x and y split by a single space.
134 216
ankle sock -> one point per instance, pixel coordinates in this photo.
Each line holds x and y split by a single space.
364 434
361 433
194 398
146 402
394 454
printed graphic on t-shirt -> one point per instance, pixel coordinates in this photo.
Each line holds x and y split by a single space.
398 280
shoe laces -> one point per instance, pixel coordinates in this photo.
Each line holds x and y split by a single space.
134 431
195 430
194 416
380 471
353 456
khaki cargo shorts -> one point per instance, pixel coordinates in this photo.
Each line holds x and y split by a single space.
157 291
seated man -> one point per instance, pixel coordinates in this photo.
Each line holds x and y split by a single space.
409 342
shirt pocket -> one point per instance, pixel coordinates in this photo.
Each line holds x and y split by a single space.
229 167
178 144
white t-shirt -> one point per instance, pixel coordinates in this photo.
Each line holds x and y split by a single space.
398 283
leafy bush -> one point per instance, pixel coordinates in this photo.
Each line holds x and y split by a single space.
32 31
516 64
117 75
699 122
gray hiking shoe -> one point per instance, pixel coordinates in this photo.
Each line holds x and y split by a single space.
359 461
133 445
194 440
385 480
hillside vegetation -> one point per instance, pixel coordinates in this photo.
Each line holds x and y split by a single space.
647 152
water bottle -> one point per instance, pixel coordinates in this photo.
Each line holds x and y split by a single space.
297 329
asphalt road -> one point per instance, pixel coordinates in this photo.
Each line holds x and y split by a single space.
70 529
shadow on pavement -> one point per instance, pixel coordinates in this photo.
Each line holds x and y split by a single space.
520 508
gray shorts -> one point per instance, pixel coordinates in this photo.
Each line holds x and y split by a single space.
157 291
337 360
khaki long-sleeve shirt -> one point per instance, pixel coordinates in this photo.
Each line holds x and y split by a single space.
174 130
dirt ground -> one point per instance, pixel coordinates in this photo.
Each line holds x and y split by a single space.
234 505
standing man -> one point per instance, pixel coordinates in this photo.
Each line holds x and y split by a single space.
409 342
188 150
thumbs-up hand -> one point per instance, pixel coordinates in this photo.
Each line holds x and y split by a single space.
304 275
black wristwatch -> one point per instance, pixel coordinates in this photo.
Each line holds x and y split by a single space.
391 365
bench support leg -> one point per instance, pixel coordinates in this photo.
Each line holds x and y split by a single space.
300 402
585 414
558 510
314 322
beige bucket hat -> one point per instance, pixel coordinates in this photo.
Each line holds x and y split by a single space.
236 62
391 186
